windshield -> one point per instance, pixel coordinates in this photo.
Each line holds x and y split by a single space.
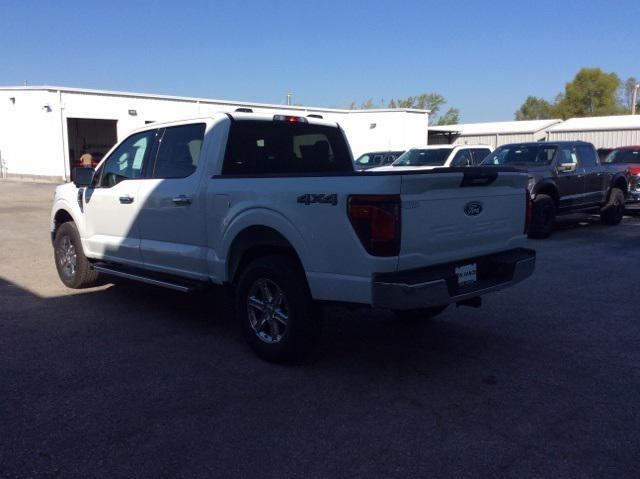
521 155
432 157
624 156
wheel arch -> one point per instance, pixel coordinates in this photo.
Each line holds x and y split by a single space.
619 181
254 242
550 189
61 216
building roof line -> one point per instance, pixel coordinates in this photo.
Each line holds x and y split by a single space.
497 128
209 101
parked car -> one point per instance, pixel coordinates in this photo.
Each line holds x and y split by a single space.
267 206
626 159
439 156
376 158
564 177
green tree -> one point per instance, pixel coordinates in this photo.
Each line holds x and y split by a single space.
425 101
451 117
367 105
627 92
591 93
535 108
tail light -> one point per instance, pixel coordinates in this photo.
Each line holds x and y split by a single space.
376 221
528 211
290 118
634 170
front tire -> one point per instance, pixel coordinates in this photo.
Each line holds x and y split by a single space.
544 217
73 266
275 309
613 211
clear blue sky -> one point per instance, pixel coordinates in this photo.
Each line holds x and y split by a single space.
484 57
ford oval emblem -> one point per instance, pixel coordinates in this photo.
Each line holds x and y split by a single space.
473 208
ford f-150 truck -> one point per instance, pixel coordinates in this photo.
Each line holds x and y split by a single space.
564 177
271 207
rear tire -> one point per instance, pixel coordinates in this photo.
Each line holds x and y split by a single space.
73 266
420 314
544 217
613 211
276 312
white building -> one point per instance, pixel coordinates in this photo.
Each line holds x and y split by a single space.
44 130
493 134
602 131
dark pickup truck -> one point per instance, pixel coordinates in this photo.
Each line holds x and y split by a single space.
565 177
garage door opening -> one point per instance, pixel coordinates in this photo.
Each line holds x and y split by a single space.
94 137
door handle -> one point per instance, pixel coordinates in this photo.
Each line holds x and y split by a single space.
182 200
126 200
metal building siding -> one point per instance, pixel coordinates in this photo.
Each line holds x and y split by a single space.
496 140
600 138
475 140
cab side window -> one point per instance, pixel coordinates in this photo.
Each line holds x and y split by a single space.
179 151
567 156
128 161
587 155
462 158
377 160
480 154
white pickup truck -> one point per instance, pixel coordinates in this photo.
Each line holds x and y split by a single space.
438 156
271 207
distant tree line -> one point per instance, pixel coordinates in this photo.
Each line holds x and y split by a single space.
592 92
426 101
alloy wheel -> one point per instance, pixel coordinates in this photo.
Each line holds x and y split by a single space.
268 310
67 257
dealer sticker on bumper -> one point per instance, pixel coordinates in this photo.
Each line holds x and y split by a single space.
467 274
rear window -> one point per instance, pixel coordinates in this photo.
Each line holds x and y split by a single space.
624 156
274 147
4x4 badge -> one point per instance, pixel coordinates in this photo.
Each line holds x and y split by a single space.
309 198
473 208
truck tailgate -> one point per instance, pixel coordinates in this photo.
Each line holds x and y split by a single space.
447 216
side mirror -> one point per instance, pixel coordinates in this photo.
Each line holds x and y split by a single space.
566 167
83 176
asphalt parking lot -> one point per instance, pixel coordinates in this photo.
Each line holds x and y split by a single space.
127 380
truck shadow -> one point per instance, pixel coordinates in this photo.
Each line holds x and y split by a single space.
590 223
134 315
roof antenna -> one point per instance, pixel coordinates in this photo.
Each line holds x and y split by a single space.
289 95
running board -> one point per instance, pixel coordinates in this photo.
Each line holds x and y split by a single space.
165 283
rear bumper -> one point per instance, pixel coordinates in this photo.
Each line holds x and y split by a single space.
438 285
633 197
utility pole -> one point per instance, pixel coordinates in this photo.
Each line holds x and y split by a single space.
634 99
289 95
